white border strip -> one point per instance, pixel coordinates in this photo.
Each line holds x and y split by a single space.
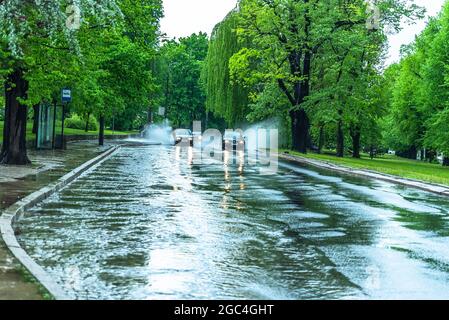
12 214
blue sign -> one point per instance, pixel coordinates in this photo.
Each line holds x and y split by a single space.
66 95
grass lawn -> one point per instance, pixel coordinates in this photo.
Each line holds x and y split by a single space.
68 132
388 164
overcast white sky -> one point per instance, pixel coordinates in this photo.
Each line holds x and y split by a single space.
184 17
407 35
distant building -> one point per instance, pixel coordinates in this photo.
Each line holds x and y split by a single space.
392 152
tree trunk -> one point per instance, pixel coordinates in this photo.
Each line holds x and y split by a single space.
413 152
430 155
301 90
423 154
410 153
321 139
446 161
355 135
340 139
150 116
300 130
101 134
87 123
14 150
35 118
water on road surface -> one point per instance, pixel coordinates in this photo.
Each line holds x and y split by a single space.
16 182
149 225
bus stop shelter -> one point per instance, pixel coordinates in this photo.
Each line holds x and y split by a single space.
50 127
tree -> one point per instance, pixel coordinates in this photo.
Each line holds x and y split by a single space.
407 107
26 25
343 86
289 36
129 64
225 98
418 94
434 43
180 67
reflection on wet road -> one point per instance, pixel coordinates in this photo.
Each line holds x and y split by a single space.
148 224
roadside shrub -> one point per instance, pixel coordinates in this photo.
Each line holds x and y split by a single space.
76 122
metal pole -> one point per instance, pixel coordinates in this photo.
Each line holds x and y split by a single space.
38 115
62 126
55 106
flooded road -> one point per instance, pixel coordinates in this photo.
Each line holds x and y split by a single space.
16 182
149 225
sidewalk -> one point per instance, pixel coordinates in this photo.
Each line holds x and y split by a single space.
18 182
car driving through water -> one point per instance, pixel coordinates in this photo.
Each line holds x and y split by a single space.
183 136
234 140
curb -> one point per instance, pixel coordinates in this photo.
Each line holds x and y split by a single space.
12 214
109 137
433 188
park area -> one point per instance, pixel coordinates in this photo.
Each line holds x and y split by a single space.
389 164
69 132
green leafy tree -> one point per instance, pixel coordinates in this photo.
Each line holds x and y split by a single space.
117 60
435 83
180 67
225 98
26 26
289 37
418 97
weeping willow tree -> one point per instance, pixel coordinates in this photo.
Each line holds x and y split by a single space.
225 99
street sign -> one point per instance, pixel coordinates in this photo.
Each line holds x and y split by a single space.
66 95
162 111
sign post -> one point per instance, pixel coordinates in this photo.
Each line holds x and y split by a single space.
66 95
